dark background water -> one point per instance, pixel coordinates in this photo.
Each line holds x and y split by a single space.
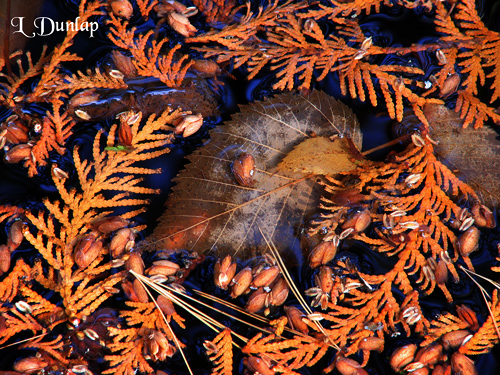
393 27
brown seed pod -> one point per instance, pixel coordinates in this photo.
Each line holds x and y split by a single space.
262 366
324 279
243 170
181 24
16 235
166 306
372 343
441 272
158 347
265 277
224 272
483 217
18 153
4 258
429 355
125 134
469 316
358 222
135 263
455 339
188 125
121 8
468 241
347 366
140 292
294 316
30 365
109 224
279 292
15 131
87 250
82 98
323 252
462 365
163 267
207 67
257 300
450 86
124 64
403 356
241 282
122 241
164 7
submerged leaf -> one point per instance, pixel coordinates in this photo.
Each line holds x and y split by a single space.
319 155
211 209
473 152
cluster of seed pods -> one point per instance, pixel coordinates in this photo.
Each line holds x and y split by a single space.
439 358
17 137
264 283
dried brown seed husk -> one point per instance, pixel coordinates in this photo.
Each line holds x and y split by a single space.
372 343
266 277
463 365
279 292
323 253
295 321
256 301
87 250
468 241
403 356
429 355
243 169
241 282
135 263
454 339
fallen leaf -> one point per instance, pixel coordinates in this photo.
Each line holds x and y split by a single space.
209 210
319 155
471 153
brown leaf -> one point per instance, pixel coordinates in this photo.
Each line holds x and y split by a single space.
473 152
210 210
319 155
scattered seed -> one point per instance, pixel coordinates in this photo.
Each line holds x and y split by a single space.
23 307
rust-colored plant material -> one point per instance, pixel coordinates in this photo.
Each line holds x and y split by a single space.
88 300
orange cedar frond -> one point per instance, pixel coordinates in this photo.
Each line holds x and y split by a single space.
291 353
443 324
91 80
474 111
487 335
145 6
346 9
14 82
9 286
53 348
149 61
16 322
8 211
220 352
51 70
130 357
216 10
56 128
38 303
426 198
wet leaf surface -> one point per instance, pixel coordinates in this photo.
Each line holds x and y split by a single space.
472 152
210 210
